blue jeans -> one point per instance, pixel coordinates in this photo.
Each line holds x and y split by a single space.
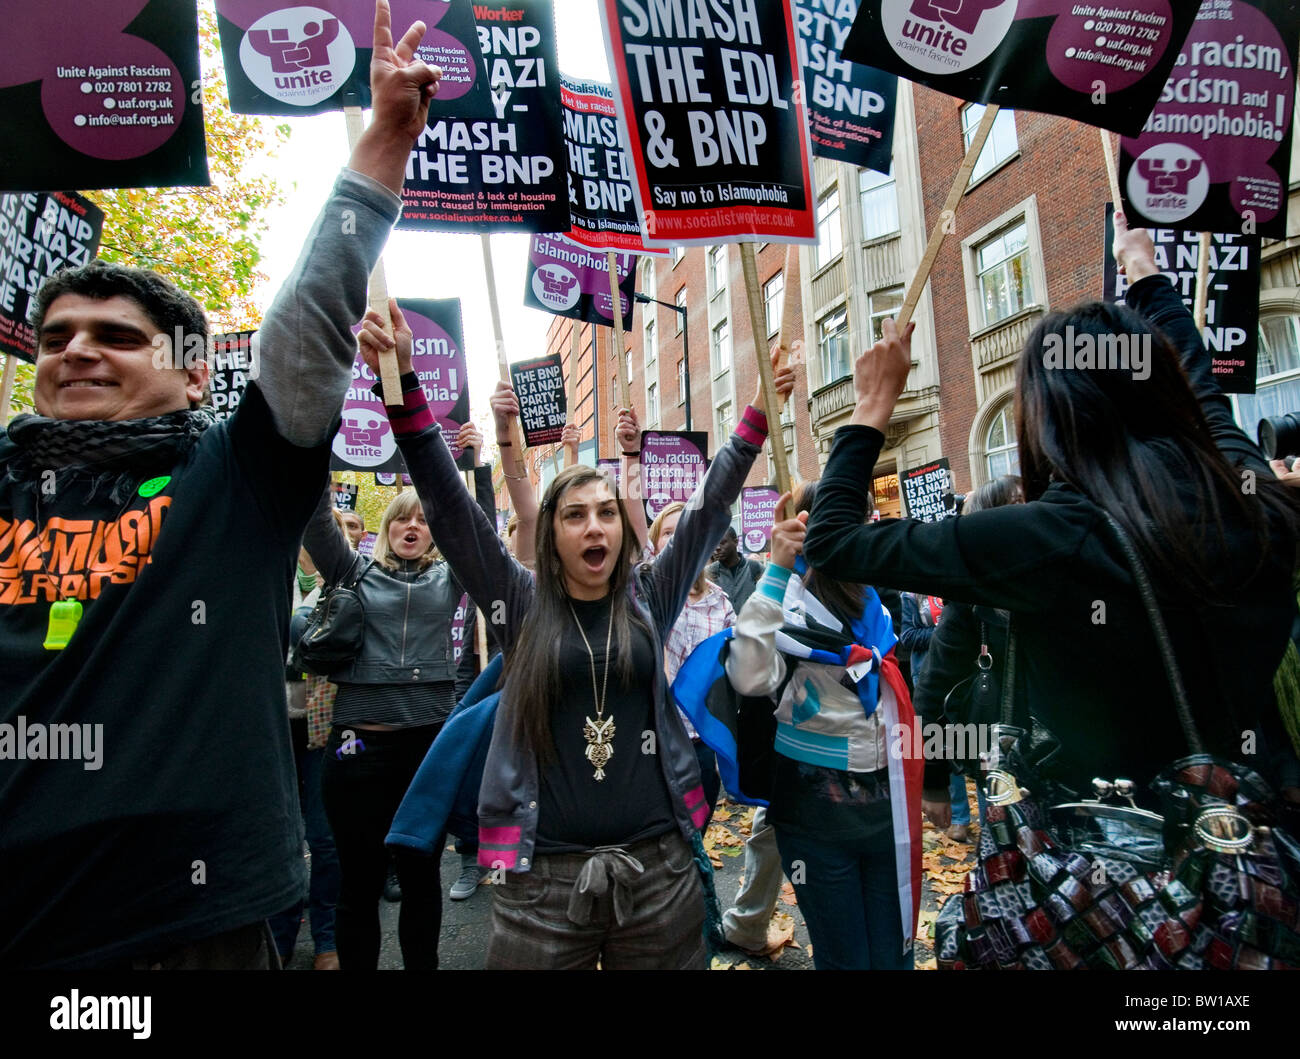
848 893
960 802
323 893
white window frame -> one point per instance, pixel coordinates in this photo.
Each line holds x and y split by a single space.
717 348
830 230
823 362
875 314
716 266
876 183
773 290
1027 209
1004 413
997 152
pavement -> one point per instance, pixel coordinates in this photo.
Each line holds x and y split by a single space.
466 924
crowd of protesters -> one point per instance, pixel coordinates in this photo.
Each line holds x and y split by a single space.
588 785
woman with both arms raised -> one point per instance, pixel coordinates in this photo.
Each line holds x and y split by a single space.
591 796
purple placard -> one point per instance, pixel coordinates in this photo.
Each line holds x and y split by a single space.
283 57
1095 61
614 468
673 463
1215 154
101 95
757 513
567 279
365 441
366 546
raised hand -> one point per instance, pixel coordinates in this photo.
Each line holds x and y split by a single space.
373 340
880 376
401 85
788 535
782 378
470 438
505 407
628 431
1135 254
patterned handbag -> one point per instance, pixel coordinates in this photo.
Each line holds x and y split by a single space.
1103 884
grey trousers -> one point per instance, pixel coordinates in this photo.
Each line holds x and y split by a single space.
639 908
744 924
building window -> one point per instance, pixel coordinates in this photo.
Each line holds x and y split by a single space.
717 269
773 291
681 381
648 280
883 304
681 304
1001 143
1005 281
721 346
652 404
833 345
1277 374
678 252
1000 445
879 197
830 240
651 344
724 425
627 361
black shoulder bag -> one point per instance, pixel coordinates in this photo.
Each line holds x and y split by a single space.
336 626
1102 884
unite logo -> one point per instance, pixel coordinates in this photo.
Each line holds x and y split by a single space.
946 36
1168 182
298 55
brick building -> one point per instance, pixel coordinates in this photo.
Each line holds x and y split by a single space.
1027 236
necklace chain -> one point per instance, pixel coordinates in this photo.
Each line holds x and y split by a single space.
591 657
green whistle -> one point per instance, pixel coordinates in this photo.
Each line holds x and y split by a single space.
64 616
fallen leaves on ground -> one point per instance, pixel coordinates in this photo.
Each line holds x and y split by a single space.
787 893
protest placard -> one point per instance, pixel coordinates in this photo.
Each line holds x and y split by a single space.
499 164
1103 64
40 233
345 496
850 106
283 57
673 463
566 279
233 365
1215 154
539 385
924 489
84 102
1231 329
365 440
602 204
718 136
757 513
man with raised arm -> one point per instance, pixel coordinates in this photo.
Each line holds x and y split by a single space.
146 779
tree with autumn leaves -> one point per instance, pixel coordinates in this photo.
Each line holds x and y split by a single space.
205 240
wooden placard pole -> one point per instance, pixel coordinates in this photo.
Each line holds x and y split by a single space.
945 223
1112 170
789 299
503 365
390 378
1202 282
7 388
758 328
620 354
575 351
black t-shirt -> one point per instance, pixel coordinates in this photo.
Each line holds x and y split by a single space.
187 825
577 811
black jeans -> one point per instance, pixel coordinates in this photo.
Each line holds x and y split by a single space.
363 784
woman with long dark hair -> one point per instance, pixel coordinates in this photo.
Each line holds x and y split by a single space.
1118 414
591 796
